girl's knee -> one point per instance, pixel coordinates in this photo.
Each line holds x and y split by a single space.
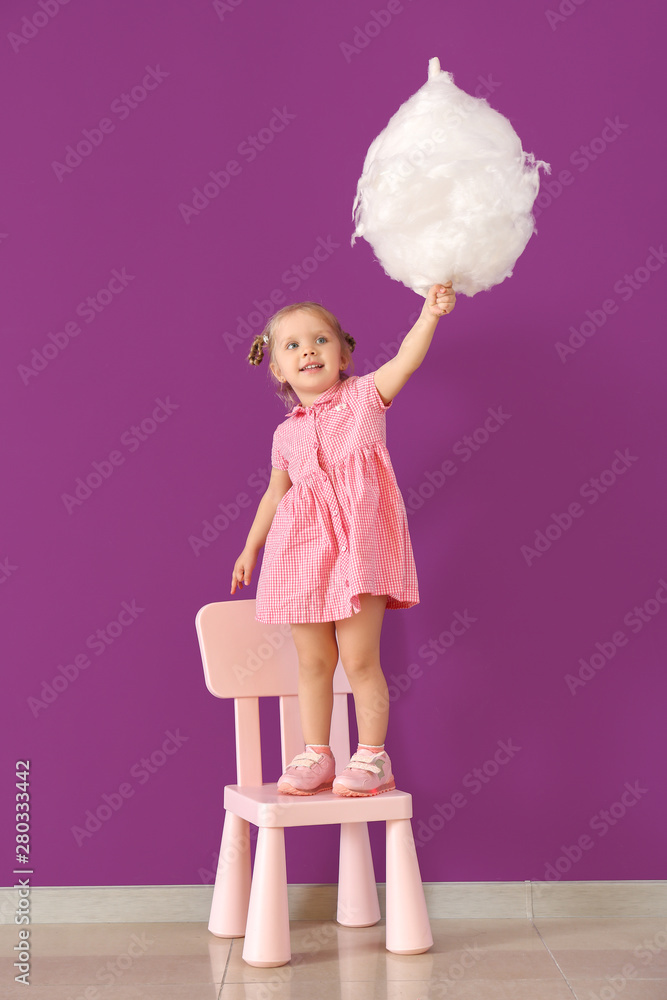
316 646
318 665
361 667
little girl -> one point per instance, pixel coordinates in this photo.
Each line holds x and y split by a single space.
338 551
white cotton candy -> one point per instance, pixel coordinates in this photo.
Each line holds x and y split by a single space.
446 191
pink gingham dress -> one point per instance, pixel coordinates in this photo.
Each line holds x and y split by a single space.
341 529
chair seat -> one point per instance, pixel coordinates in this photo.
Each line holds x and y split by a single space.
265 806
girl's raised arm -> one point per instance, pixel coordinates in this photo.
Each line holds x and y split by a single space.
392 376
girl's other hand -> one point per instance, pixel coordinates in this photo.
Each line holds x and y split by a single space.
243 568
440 299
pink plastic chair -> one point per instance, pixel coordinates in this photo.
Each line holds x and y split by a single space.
245 659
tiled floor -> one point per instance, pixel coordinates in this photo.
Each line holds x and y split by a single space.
597 958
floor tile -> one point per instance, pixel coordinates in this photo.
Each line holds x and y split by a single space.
630 948
495 933
598 963
119 955
604 932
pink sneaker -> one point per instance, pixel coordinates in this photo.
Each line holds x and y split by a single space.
367 773
309 772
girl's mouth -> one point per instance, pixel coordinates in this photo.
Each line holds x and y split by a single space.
311 368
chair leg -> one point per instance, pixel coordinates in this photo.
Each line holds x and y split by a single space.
267 939
358 904
408 927
229 907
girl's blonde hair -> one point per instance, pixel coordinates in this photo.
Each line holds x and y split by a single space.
285 391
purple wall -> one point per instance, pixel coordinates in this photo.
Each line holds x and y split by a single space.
156 349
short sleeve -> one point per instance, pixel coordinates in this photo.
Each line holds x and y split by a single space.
367 391
278 460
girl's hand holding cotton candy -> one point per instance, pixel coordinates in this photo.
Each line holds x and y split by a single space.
440 300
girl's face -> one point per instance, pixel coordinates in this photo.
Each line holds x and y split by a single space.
308 354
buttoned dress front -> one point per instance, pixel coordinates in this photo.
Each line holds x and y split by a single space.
341 529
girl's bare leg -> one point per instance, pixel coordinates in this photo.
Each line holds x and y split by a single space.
359 645
318 655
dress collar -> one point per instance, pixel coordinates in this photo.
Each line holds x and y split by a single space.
324 397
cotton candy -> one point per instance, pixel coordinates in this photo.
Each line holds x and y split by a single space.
446 192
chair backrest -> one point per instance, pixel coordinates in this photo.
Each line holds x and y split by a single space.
246 660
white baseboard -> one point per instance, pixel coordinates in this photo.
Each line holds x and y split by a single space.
167 903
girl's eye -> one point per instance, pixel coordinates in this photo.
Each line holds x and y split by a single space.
294 342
